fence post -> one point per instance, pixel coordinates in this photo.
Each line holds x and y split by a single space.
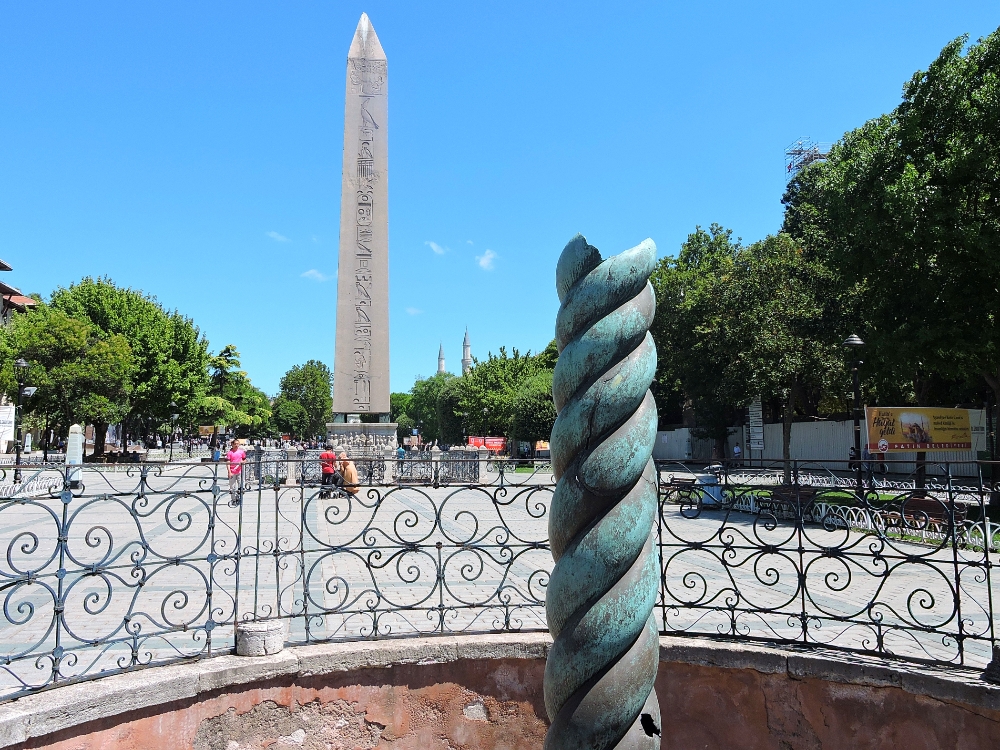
992 672
484 458
291 466
954 555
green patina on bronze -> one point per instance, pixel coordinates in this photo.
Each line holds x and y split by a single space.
600 672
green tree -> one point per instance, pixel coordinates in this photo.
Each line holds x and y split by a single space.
490 388
422 408
233 400
289 417
789 338
449 411
404 427
309 386
734 322
398 405
80 375
534 411
170 355
697 339
548 357
906 213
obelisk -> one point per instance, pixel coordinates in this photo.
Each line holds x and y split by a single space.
361 361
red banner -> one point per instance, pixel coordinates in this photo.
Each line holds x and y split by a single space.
494 444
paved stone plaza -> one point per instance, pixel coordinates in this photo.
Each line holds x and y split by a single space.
147 572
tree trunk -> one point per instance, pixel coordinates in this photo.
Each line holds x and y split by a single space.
100 438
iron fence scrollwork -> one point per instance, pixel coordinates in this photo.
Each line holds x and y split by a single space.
137 565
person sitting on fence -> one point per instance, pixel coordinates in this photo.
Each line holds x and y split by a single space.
350 474
236 456
328 464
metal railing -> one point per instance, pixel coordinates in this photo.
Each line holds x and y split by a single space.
105 571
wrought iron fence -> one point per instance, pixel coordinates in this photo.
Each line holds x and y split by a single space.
106 571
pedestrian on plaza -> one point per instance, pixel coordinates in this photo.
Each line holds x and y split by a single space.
350 474
330 475
236 456
400 455
737 454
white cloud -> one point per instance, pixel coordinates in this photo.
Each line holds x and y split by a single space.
438 250
414 310
486 260
315 238
312 273
469 241
278 237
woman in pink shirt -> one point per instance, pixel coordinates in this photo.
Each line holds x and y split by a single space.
236 457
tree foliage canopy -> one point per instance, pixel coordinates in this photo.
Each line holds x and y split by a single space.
906 215
304 405
102 354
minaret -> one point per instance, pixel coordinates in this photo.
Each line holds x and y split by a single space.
441 359
466 353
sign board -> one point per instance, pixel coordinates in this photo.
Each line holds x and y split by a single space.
913 428
756 420
6 426
494 444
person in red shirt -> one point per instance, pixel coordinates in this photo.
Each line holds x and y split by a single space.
328 464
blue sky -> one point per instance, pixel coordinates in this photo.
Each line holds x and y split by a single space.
193 149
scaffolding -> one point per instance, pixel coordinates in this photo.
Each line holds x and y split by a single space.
803 152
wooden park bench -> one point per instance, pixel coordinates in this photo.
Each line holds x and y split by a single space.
924 514
785 500
679 489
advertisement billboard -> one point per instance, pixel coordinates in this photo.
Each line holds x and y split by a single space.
494 444
915 428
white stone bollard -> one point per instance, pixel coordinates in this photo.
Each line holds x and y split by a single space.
260 637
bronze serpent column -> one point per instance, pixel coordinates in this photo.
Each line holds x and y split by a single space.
600 672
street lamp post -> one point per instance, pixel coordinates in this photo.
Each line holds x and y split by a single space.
486 411
173 428
21 369
854 342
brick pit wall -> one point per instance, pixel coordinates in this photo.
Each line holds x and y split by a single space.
486 692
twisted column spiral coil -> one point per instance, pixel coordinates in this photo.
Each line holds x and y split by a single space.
600 672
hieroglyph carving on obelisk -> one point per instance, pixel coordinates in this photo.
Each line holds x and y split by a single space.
361 363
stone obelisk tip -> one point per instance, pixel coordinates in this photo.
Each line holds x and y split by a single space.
366 43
